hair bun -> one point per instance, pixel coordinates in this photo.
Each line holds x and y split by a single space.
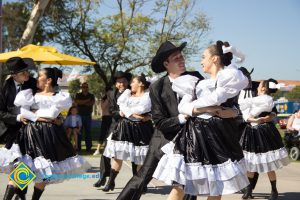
58 73
225 57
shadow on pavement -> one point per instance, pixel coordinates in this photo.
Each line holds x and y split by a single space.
93 170
159 190
285 196
290 196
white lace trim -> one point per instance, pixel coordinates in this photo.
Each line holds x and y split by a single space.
7 156
124 150
225 178
53 172
266 162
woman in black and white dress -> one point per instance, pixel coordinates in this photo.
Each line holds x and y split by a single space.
41 144
205 158
261 142
131 137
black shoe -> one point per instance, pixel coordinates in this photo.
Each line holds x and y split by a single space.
111 181
20 197
21 194
100 182
248 193
273 196
145 190
109 187
89 150
9 192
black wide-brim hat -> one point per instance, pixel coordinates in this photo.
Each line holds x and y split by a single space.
163 52
17 64
120 74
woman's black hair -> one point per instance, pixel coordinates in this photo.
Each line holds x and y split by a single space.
266 84
248 75
216 49
142 78
69 111
54 74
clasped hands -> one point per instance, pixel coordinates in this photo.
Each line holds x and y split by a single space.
56 121
143 118
222 112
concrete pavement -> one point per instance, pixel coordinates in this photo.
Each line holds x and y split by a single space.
79 189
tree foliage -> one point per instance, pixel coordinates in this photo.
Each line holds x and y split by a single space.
96 85
290 95
294 93
127 37
74 87
15 17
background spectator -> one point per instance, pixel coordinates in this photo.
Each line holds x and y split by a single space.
85 101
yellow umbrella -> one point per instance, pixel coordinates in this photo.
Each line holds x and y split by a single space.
45 55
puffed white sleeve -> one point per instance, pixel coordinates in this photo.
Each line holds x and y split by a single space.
123 98
143 106
229 83
185 84
60 101
261 104
123 101
245 103
25 99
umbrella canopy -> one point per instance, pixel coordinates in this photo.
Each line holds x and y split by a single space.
45 55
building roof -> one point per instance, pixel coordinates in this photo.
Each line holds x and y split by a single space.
64 81
289 82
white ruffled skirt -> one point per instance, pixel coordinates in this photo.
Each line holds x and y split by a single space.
205 158
200 179
129 141
263 148
45 170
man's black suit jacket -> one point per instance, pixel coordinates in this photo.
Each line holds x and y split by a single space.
8 111
165 106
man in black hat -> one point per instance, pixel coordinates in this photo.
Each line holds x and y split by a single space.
10 120
165 115
121 81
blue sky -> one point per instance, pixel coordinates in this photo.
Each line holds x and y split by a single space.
267 31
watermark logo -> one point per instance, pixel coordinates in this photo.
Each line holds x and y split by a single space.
22 176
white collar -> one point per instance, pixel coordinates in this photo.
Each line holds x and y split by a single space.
17 84
171 79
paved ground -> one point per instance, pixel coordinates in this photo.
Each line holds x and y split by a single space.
78 189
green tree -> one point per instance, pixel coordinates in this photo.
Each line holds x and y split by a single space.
294 93
96 85
74 87
126 38
15 18
37 12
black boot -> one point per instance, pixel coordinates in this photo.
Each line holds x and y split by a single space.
111 181
21 194
145 190
248 191
37 193
189 197
9 192
100 182
274 192
255 178
134 168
